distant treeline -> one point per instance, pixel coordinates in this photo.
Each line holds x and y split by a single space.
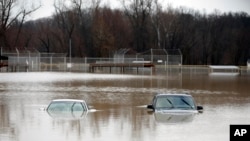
218 38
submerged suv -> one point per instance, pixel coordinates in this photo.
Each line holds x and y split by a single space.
174 103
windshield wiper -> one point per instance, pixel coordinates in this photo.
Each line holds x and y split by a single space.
184 101
169 101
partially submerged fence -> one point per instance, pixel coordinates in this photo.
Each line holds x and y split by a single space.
61 63
34 61
22 61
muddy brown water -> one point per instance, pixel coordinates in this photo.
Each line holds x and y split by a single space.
120 103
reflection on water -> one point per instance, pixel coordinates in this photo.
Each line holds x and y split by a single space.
174 118
119 100
67 115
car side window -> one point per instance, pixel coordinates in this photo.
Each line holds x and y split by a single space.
78 107
59 106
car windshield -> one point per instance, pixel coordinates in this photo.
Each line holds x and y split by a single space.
66 106
175 102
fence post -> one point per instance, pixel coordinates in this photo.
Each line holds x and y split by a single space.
50 63
39 62
152 55
17 66
1 54
65 64
85 64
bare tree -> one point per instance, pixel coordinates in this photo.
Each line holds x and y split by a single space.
138 12
66 22
155 17
12 14
103 38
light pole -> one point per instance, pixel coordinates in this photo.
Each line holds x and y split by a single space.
70 45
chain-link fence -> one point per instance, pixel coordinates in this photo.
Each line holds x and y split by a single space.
22 60
28 61
34 61
160 56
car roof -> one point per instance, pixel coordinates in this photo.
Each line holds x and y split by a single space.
68 100
172 94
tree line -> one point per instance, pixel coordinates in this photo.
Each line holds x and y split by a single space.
99 31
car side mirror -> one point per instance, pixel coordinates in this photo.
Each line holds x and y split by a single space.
150 112
200 109
150 107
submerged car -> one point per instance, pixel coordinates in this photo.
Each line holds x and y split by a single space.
166 103
67 108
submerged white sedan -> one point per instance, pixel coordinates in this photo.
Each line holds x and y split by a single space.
67 108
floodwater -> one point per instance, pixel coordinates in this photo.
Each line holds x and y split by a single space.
120 103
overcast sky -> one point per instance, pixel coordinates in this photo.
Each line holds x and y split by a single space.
207 6
210 5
